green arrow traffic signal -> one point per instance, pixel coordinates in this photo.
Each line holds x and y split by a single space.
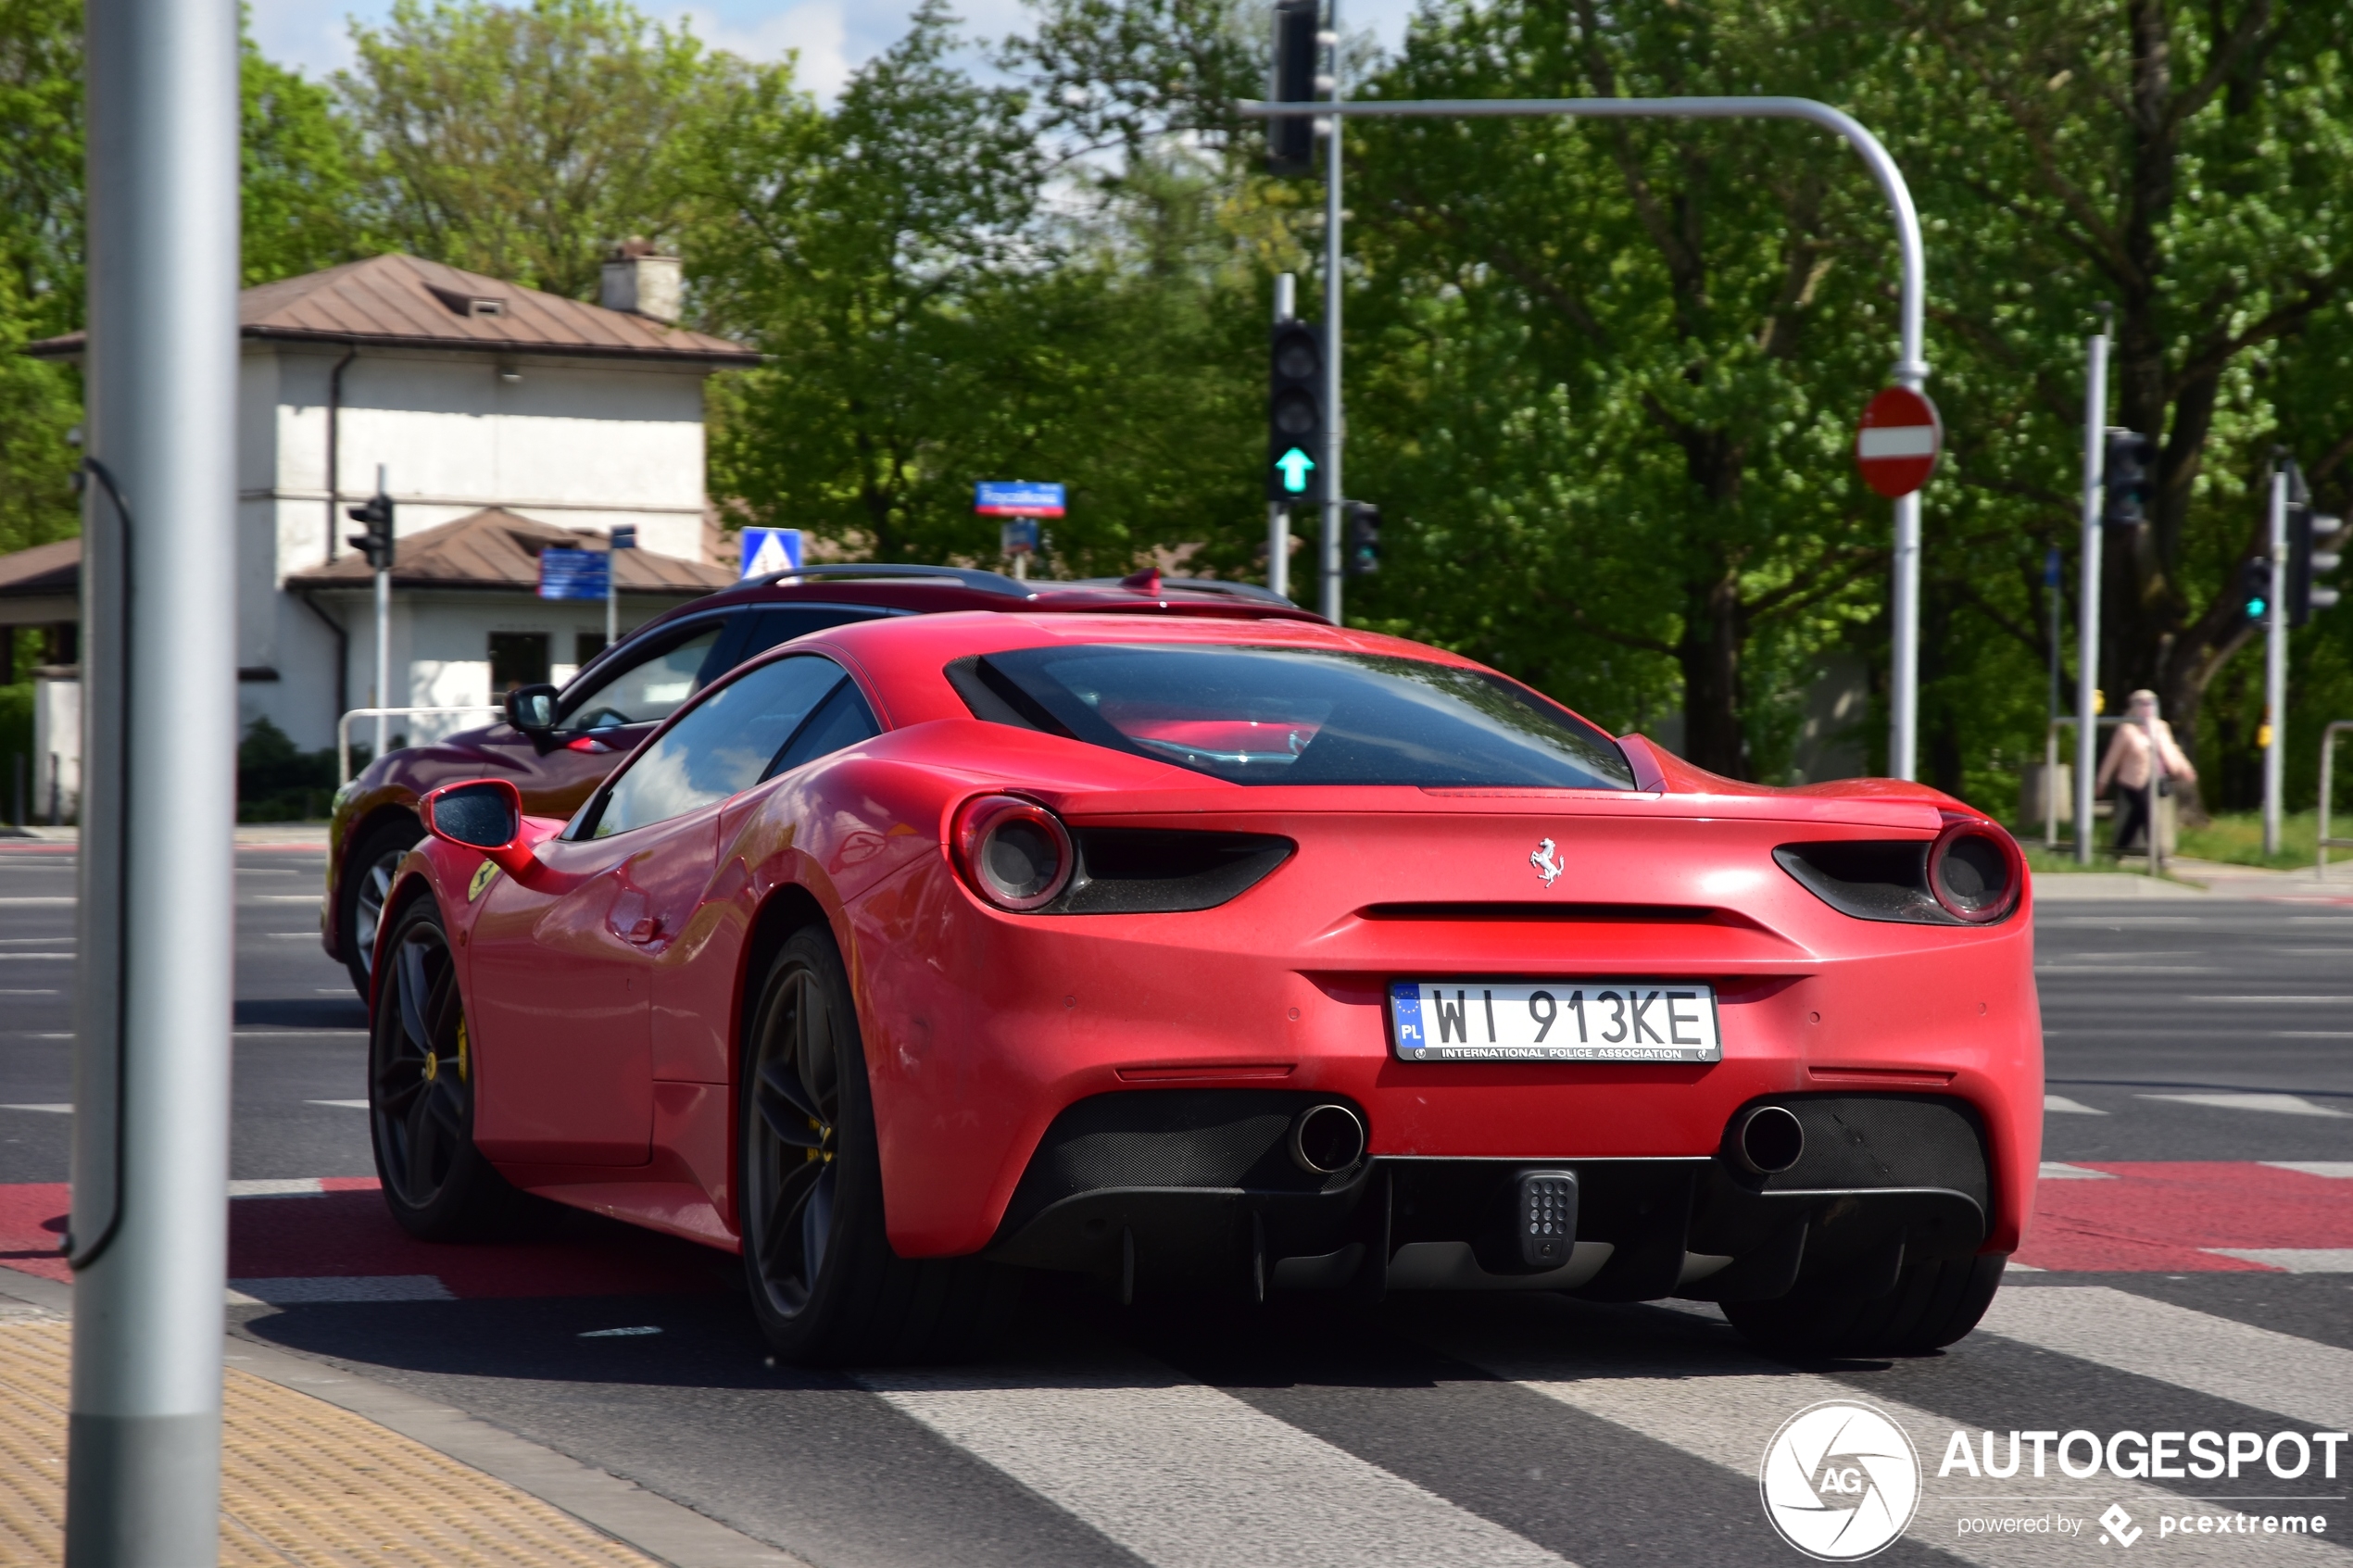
1294 465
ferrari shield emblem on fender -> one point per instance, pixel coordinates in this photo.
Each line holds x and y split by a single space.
1548 866
483 873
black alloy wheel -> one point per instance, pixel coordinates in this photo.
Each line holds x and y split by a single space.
421 1103
825 1286
365 884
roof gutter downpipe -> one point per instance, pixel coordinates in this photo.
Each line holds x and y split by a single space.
335 458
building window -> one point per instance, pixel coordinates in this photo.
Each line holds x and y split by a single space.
516 659
587 645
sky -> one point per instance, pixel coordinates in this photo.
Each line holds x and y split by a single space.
832 36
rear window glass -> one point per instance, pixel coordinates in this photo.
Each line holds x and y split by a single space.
1252 715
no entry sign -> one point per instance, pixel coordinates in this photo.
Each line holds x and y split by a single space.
1897 443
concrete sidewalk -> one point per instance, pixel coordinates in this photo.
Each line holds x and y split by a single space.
2190 878
308 1478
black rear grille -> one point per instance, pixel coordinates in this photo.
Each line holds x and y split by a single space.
1162 871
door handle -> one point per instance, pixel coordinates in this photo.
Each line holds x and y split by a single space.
647 929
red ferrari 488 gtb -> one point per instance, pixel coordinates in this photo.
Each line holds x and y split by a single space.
1249 956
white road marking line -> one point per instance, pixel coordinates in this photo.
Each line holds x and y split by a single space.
2273 1000
2068 1107
24 902
2280 1105
343 1287
1725 1413
2290 1377
2293 1260
340 1104
2342 1169
313 897
2054 1172
5 957
51 1110
277 1187
51 991
2098 970
1187 1476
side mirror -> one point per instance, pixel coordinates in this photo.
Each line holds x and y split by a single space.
532 709
481 814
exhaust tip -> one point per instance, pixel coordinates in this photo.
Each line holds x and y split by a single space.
1327 1139
1768 1140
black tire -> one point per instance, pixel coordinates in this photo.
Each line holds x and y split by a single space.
365 884
825 1286
421 1101
1933 1304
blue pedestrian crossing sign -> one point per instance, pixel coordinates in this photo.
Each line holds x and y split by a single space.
1295 466
768 550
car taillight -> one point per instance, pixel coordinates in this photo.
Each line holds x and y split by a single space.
1013 852
1975 870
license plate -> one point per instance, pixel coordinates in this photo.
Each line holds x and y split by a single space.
1554 1021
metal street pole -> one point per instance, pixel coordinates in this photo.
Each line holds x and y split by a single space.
148 1239
2276 661
1909 370
1327 552
1279 515
2087 615
384 630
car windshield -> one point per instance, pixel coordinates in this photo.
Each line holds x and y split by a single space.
645 693
1261 715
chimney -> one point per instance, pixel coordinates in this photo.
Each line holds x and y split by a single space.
642 282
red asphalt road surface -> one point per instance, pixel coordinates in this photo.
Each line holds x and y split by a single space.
2144 1218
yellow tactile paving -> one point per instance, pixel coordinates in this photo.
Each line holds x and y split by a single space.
302 1482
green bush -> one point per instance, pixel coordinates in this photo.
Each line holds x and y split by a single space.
278 782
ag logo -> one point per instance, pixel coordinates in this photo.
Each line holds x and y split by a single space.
1839 1481
483 873
1547 863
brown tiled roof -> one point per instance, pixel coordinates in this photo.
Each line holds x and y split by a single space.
495 548
407 300
43 571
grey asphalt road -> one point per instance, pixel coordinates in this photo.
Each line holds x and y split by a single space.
1467 1430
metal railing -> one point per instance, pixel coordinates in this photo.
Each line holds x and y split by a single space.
343 727
2328 778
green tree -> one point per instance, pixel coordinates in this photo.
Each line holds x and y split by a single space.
886 258
523 140
1612 367
300 194
2186 164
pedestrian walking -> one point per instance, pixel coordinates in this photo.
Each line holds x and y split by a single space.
2142 761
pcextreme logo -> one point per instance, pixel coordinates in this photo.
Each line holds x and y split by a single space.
1839 1481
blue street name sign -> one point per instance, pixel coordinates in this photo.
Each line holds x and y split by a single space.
625 536
1018 536
1017 497
770 549
573 574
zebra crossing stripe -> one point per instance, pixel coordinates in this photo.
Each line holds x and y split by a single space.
2298 1378
1712 1408
1187 1476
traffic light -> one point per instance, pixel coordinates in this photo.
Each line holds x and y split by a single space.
1295 414
376 544
2312 540
2128 479
2254 590
1291 143
1364 540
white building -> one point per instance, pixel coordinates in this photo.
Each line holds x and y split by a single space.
523 419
